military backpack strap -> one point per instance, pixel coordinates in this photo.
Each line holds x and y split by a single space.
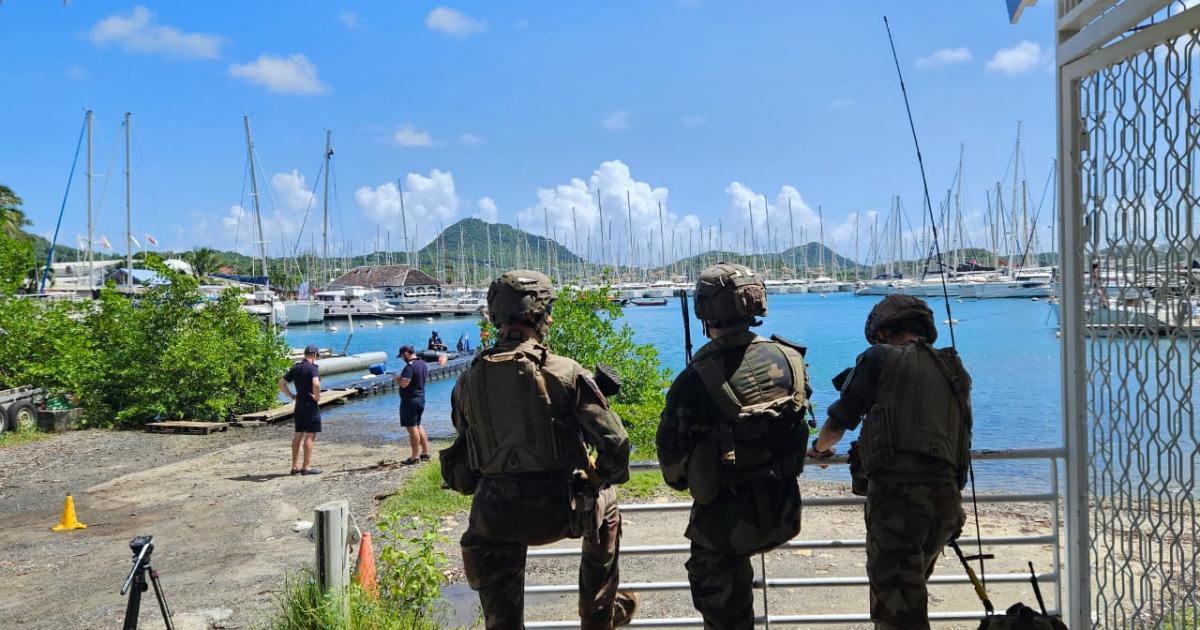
709 369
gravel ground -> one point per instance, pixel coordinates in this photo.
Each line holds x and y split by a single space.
221 508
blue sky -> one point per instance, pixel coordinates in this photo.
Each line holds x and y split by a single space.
502 109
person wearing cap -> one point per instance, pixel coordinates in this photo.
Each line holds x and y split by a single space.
436 344
307 415
912 454
411 381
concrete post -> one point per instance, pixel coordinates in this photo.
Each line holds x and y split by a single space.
333 534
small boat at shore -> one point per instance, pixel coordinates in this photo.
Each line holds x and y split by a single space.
648 302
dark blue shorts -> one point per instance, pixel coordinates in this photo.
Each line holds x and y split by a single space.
410 412
307 421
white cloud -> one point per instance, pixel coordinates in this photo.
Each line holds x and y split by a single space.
136 31
291 191
1018 59
487 210
77 72
694 120
472 140
286 75
841 102
616 121
806 219
573 205
428 203
451 22
349 20
945 57
410 136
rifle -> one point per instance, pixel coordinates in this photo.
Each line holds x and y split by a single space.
687 325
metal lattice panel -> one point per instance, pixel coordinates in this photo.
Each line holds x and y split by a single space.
1137 172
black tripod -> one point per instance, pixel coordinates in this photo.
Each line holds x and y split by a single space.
136 584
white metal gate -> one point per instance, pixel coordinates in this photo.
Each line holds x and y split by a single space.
1129 133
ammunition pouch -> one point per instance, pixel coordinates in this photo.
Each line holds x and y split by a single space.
457 473
584 519
1022 617
858 478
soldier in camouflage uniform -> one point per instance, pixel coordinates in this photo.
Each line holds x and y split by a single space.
523 412
733 434
914 405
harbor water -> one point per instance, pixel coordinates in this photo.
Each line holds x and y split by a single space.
1009 347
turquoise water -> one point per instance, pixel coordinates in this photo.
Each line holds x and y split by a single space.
1009 347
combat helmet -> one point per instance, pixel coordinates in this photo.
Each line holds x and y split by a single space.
898 308
728 293
521 296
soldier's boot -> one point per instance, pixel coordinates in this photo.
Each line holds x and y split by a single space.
624 607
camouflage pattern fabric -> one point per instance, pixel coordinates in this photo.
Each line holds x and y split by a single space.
908 525
722 588
508 515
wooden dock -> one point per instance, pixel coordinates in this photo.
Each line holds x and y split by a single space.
386 382
186 427
328 397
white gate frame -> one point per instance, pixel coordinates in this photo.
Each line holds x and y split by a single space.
1089 38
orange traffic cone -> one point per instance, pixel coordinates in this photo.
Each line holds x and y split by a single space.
365 574
69 521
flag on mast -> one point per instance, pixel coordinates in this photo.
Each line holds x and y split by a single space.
151 239
134 241
104 242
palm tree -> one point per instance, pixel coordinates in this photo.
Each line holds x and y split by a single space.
12 219
203 260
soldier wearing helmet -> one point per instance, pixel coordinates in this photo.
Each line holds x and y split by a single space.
913 453
733 434
524 415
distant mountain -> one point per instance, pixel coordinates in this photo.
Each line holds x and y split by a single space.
791 261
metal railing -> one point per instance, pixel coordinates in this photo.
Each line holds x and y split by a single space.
764 583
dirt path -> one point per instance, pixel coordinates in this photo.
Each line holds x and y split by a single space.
221 509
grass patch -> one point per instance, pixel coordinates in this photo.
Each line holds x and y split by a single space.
302 606
422 495
647 484
15 438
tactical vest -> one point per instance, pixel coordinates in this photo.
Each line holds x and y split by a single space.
514 425
921 416
761 432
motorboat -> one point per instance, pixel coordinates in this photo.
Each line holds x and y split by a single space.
357 302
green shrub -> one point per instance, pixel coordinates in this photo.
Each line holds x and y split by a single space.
129 360
410 569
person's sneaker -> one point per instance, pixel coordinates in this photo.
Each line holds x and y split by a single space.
310 471
425 457
624 607
295 471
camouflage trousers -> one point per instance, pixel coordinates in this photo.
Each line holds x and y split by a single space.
722 588
507 516
908 524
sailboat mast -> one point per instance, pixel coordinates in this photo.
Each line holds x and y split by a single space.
128 208
1016 245
753 234
90 252
954 252
325 212
792 230
404 226
262 237
770 248
662 243
821 225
